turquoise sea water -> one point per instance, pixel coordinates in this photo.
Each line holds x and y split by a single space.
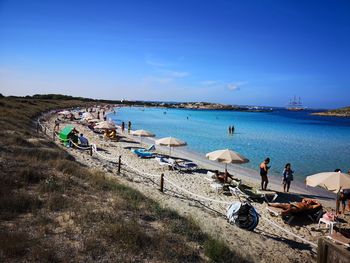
310 143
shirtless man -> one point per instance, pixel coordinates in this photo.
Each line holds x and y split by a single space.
305 204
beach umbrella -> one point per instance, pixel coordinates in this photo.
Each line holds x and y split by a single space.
331 181
142 133
170 142
226 156
105 125
88 116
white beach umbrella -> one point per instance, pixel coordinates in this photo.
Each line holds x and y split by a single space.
105 125
331 181
170 142
226 156
142 133
88 116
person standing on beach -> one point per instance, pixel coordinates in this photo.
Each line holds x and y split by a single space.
129 126
287 177
57 125
123 127
263 173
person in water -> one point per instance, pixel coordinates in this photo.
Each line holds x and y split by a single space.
229 130
287 177
263 173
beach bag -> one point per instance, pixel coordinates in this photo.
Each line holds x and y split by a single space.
330 216
243 215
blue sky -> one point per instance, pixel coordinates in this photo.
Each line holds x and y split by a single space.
234 52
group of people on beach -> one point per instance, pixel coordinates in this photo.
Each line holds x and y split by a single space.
287 175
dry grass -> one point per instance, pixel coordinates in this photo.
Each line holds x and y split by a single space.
54 209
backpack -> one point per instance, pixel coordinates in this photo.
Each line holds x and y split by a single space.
243 215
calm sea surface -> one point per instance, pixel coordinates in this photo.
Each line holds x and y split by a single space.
310 143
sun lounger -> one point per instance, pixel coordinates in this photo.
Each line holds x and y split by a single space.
168 162
143 154
174 165
251 193
185 166
313 214
339 238
150 148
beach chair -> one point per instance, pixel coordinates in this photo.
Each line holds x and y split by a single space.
163 161
143 154
313 214
150 148
330 224
184 166
251 193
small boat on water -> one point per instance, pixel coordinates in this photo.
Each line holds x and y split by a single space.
295 105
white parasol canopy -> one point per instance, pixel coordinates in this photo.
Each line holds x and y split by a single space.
226 156
170 142
105 125
142 133
331 181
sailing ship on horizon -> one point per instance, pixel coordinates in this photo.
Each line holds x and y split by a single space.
295 105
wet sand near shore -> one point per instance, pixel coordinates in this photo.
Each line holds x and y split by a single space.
266 244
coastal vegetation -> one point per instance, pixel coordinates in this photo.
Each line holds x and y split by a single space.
53 208
176 105
342 112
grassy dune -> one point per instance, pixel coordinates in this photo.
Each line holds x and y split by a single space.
54 209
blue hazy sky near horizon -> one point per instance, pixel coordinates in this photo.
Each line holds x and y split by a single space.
234 52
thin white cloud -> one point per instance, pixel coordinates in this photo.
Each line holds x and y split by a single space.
176 74
164 74
159 80
155 63
234 86
210 83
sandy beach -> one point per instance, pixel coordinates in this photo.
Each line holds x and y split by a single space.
271 241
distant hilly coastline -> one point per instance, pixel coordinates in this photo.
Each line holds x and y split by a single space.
177 105
342 112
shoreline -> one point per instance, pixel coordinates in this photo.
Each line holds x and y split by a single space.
249 175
